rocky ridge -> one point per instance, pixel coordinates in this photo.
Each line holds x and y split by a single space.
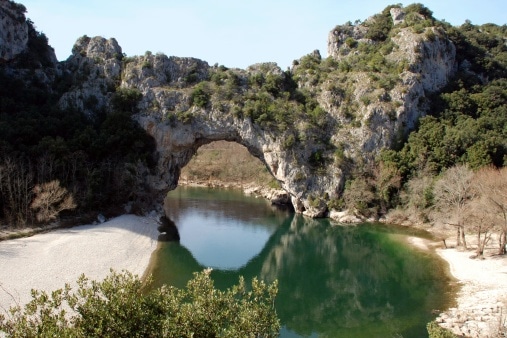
360 116
13 32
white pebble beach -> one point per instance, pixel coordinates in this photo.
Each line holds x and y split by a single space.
482 299
48 261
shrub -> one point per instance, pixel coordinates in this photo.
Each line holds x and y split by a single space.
118 307
351 42
200 97
317 159
289 141
379 29
435 331
126 99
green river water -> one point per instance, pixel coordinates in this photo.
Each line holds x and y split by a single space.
334 281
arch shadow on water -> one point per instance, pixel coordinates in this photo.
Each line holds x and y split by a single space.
354 281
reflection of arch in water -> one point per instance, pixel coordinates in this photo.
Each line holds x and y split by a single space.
180 268
168 230
222 228
222 203
340 279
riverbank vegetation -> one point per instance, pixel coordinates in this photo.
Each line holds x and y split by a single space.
118 307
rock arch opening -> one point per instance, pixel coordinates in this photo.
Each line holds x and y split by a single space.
229 164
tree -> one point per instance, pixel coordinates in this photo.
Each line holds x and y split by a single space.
417 196
359 196
50 199
200 97
387 180
16 182
480 219
452 194
118 306
492 187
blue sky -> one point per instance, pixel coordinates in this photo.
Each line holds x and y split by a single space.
235 33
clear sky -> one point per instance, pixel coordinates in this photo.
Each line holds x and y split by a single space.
234 33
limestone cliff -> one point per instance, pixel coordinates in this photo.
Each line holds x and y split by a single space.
14 30
25 52
362 116
92 72
310 125
20 40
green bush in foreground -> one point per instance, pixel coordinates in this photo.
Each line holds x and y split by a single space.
436 331
117 307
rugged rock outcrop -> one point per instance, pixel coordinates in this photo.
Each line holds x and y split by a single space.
381 112
369 95
25 52
425 61
13 30
428 59
93 72
20 42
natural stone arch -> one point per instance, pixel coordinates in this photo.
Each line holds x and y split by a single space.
312 167
177 142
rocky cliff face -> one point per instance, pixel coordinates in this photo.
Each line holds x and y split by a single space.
368 96
14 30
93 71
25 52
428 60
424 62
20 42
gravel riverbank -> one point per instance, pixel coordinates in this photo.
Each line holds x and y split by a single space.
48 261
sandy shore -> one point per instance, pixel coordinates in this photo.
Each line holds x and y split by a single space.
482 298
48 261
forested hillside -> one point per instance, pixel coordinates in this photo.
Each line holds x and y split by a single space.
465 125
347 123
54 159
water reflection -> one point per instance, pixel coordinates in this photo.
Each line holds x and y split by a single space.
168 230
333 281
221 229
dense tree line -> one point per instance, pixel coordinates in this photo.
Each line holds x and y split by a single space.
93 158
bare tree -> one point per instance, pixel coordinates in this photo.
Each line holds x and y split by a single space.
481 221
492 186
417 197
452 193
16 182
50 199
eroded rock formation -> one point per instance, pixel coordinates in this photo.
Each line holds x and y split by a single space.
362 105
13 30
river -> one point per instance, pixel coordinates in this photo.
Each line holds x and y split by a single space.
334 281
